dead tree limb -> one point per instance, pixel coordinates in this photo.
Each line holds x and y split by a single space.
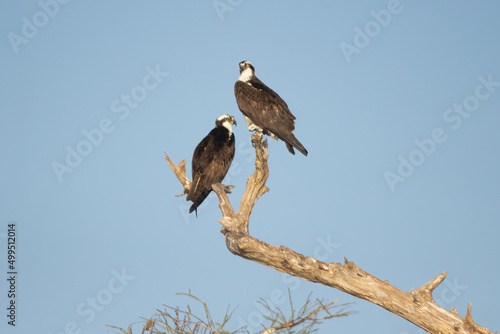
416 306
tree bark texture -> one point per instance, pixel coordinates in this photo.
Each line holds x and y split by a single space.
416 306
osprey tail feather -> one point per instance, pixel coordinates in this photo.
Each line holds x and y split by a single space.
197 201
292 142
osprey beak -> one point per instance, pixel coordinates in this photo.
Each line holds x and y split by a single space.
234 122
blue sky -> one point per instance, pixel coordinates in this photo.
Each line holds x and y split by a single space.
397 103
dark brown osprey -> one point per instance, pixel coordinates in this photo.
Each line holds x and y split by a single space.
264 110
211 160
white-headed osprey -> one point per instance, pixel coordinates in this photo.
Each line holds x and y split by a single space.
264 110
211 160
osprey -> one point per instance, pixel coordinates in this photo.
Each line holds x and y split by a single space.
211 160
264 110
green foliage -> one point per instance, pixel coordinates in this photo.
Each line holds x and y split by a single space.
301 321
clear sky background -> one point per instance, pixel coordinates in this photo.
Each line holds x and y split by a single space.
398 104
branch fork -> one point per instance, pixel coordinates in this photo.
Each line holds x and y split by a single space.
416 306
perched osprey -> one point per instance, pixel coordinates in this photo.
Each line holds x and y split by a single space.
211 160
264 110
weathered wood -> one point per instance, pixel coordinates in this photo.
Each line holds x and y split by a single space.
416 306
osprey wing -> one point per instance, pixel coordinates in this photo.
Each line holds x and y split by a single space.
264 107
211 161
267 110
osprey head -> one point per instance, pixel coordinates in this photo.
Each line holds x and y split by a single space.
246 71
226 121
245 65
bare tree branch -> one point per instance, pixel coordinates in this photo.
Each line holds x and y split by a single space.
416 306
178 321
306 314
180 172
